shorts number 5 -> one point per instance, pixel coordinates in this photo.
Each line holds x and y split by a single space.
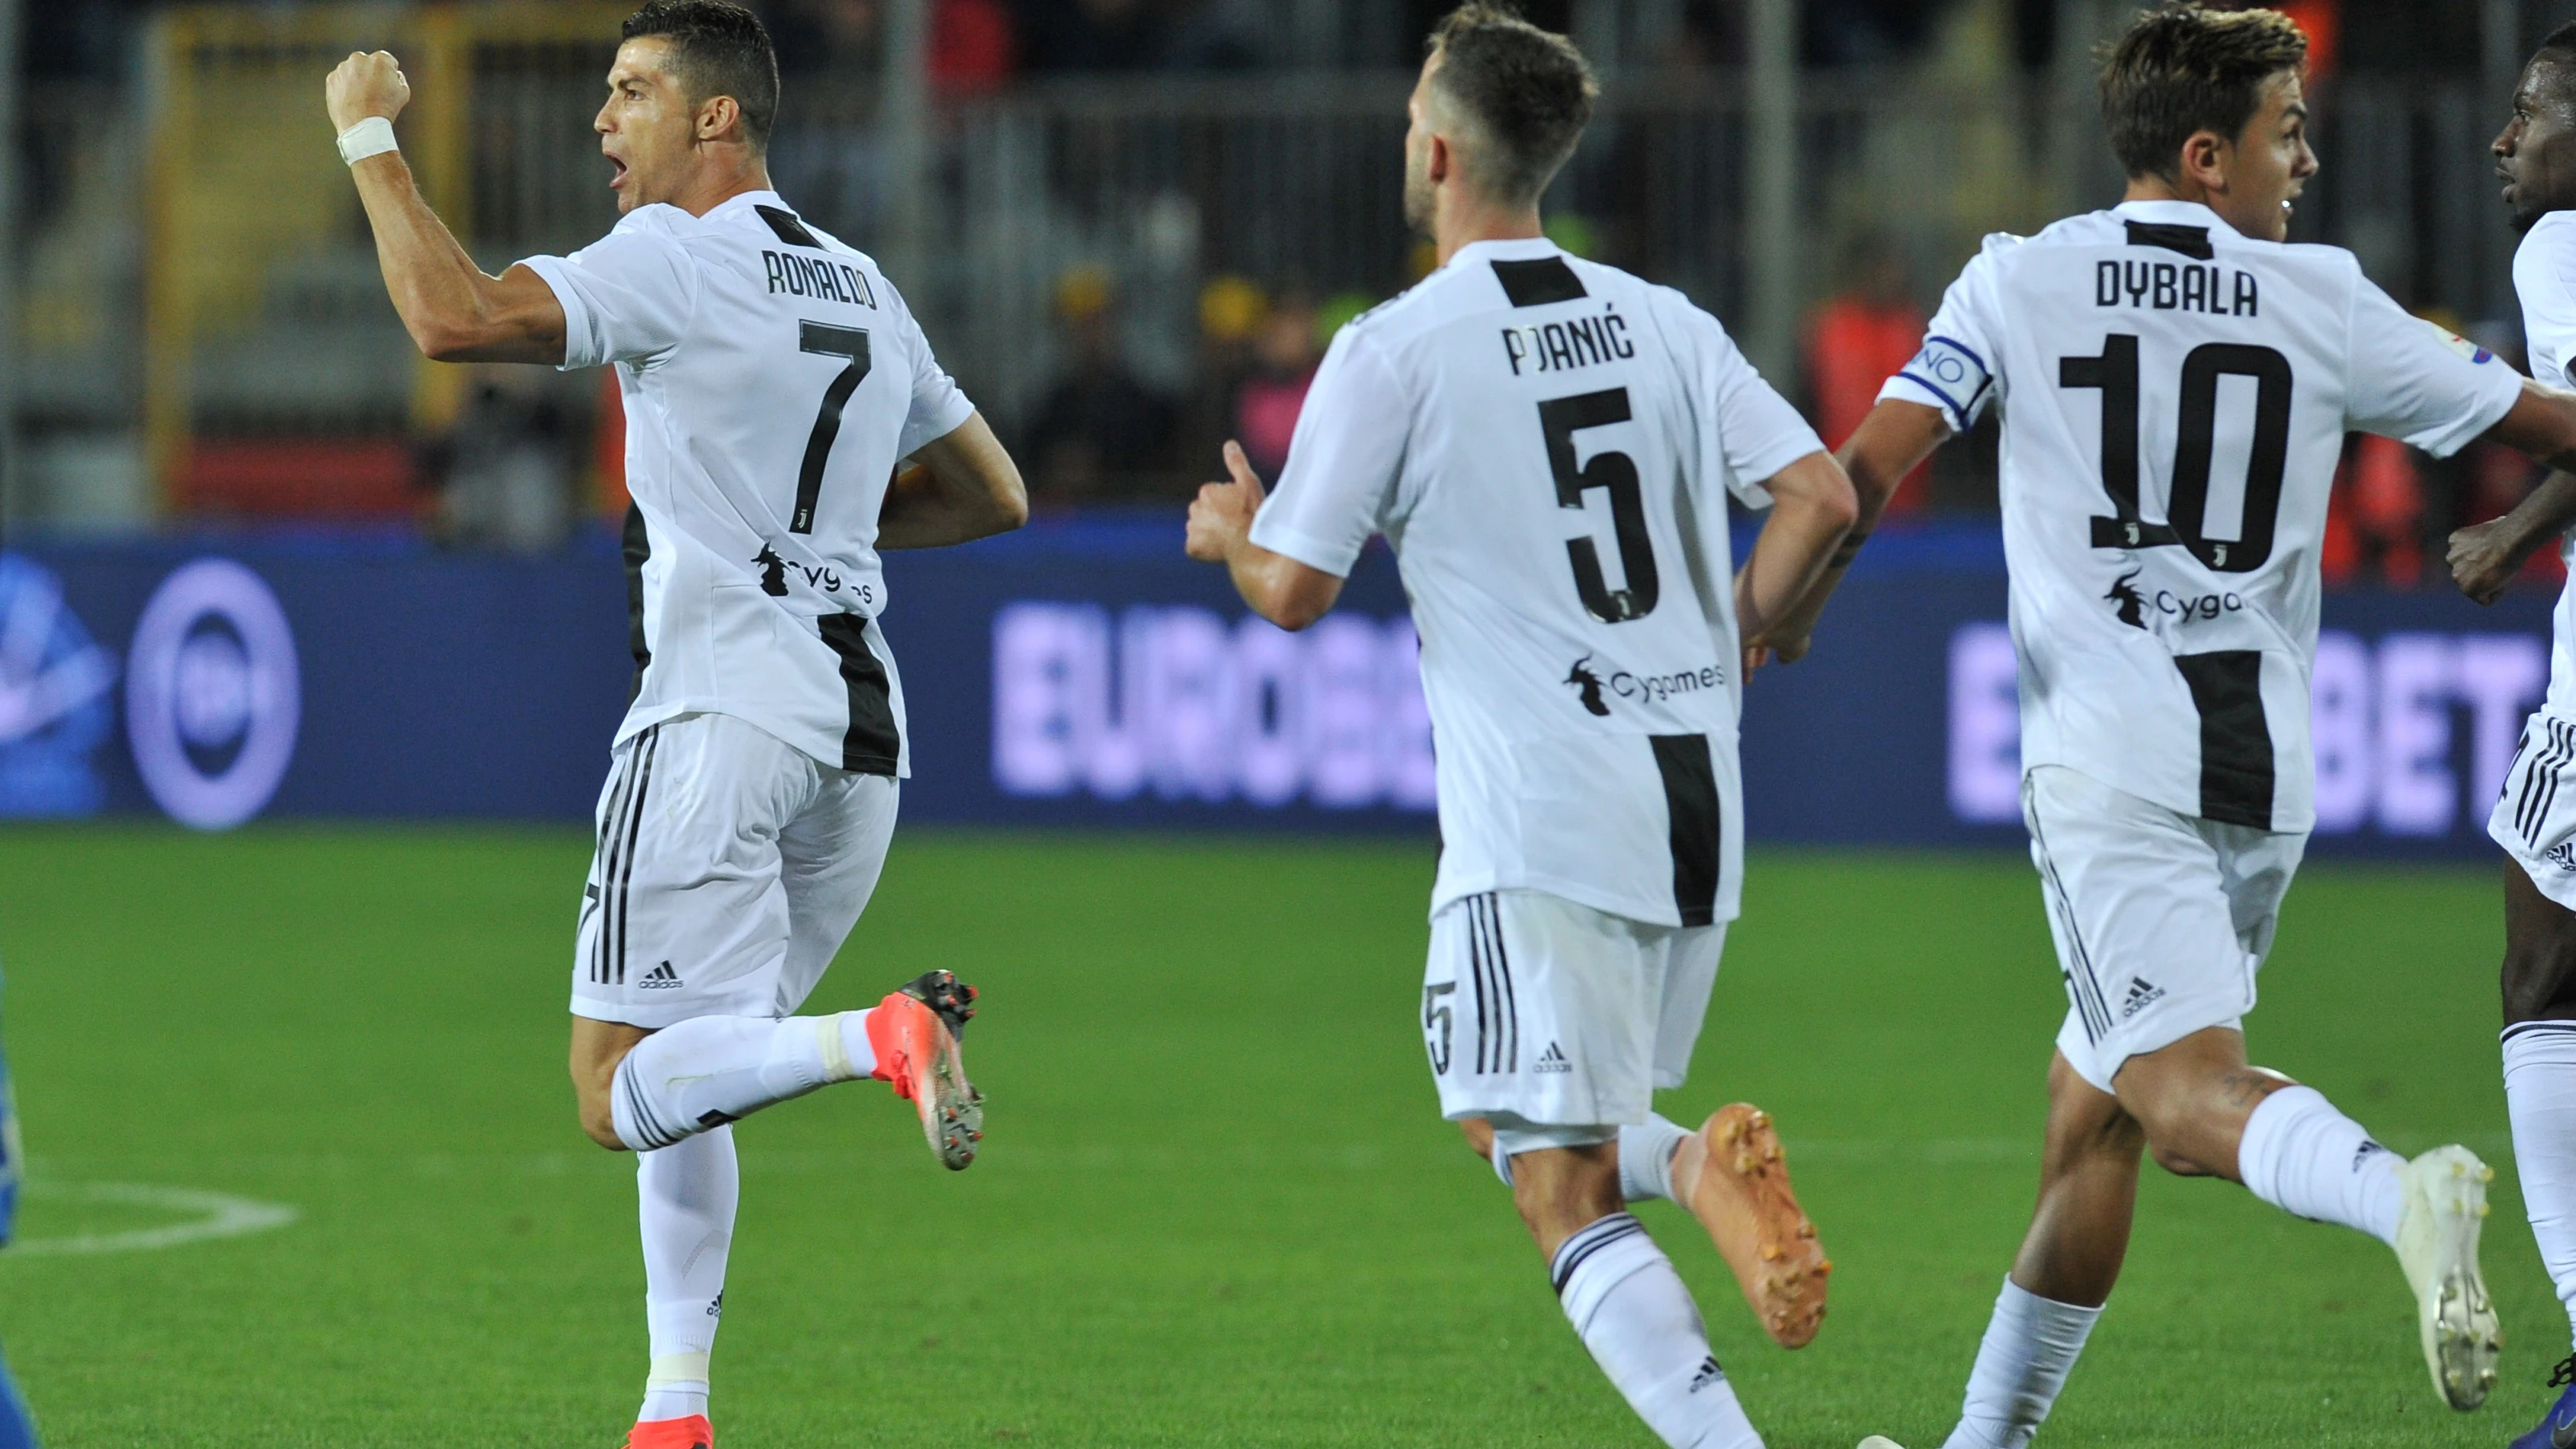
1435 1013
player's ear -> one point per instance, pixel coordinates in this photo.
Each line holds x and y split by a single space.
716 116
2204 160
1442 159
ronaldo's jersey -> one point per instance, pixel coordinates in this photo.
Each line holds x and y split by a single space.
2544 277
772 378
1549 445
2175 398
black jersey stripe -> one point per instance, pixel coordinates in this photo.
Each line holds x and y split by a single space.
1696 826
871 745
637 546
2235 740
1537 283
789 228
2191 241
2539 1028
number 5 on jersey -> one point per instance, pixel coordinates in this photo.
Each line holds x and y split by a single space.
1560 419
829 341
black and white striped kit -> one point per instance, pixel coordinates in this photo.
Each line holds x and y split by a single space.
621 827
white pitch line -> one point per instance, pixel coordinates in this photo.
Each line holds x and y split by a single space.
221 1215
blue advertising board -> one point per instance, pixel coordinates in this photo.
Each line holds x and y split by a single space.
1082 673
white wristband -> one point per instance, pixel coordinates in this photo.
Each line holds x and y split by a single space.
373 136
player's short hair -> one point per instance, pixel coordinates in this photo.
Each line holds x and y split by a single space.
2559 44
1527 92
718 50
2184 69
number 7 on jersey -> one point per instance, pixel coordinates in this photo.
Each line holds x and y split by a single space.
830 341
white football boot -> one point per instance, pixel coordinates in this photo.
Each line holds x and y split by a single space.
2438 1219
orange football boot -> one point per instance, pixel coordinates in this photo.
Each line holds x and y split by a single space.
914 1033
693 1432
1734 1178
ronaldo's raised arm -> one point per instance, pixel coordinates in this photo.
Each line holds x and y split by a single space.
454 312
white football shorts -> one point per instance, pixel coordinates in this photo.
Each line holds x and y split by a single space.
1557 1022
2535 819
729 868
2161 919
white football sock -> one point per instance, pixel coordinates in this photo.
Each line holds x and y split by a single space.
1646 1158
686 1194
710 1070
1631 1310
2540 1097
2302 1156
2030 1344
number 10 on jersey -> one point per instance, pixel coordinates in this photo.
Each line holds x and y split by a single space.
2115 373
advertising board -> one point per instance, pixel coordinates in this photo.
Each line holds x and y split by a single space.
1083 674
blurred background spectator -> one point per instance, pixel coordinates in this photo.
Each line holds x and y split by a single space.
1101 431
1859 339
1267 402
507 475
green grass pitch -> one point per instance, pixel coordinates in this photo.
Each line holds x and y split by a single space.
1217 1206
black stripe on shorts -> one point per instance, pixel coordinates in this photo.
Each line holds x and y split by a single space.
647 745
611 848
1485 920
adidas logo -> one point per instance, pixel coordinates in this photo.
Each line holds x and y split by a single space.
2563 856
2363 1154
2140 994
660 978
1552 1060
1709 1373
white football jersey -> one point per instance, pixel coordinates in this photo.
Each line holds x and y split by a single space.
2544 277
772 378
2175 398
1549 445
